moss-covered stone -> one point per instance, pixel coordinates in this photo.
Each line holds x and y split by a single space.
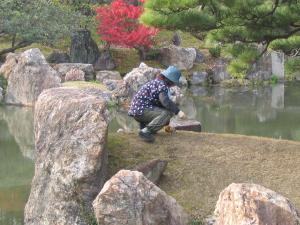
84 84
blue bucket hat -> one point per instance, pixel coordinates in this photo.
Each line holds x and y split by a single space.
172 73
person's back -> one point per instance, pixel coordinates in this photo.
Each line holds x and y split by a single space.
147 97
151 105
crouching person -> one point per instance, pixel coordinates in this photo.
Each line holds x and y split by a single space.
151 105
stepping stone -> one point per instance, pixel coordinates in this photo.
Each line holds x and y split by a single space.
185 124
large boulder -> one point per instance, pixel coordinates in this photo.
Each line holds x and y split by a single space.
64 68
152 169
75 75
199 78
139 76
182 58
58 57
83 48
71 159
130 198
28 75
7 68
105 61
219 71
251 204
107 74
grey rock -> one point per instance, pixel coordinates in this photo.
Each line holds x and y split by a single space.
153 169
219 71
107 74
63 68
139 76
175 94
74 75
199 78
252 204
105 61
185 124
199 57
83 48
28 75
176 40
58 57
130 198
10 63
113 84
297 76
182 58
183 81
71 159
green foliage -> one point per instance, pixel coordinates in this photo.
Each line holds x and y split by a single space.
243 58
87 213
274 79
292 66
232 22
196 221
288 46
215 51
35 21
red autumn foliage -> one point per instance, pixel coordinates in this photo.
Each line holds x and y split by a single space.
119 25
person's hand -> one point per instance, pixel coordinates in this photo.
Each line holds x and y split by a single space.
181 115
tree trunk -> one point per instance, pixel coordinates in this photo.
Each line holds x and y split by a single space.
21 44
142 53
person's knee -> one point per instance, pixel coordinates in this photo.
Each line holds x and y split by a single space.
167 114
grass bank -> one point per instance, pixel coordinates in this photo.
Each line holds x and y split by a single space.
202 165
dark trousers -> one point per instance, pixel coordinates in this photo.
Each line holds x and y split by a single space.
154 119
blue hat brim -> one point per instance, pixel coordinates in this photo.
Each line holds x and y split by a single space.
170 79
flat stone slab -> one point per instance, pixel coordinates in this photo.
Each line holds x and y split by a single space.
185 124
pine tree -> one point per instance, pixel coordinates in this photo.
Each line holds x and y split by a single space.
240 25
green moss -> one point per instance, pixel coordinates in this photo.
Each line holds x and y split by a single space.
84 84
125 58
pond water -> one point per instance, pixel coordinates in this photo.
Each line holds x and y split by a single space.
272 111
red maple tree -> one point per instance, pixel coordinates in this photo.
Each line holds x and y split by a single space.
119 25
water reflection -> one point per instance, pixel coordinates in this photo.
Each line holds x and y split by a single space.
16 164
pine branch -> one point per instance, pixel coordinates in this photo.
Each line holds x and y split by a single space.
21 44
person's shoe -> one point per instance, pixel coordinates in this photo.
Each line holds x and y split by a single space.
146 136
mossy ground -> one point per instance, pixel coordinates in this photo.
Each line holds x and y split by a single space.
84 84
202 165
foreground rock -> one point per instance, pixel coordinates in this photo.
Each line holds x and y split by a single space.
64 68
185 124
182 58
28 75
71 159
251 204
130 198
153 169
